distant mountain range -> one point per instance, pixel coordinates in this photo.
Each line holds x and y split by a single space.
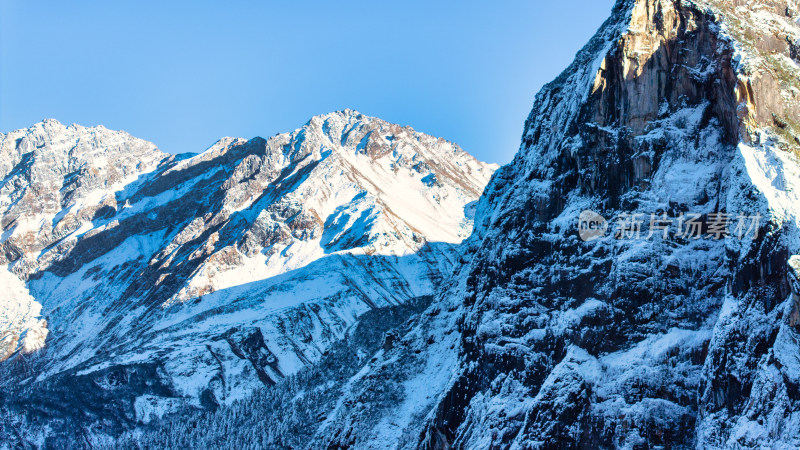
191 280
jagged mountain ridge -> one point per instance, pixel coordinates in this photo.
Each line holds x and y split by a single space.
546 341
196 279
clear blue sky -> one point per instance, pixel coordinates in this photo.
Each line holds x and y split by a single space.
184 74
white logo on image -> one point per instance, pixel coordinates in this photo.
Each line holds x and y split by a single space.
591 226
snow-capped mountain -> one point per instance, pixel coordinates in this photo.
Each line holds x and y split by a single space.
632 278
162 281
547 340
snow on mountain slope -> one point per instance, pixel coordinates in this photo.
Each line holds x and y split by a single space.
174 280
20 322
547 341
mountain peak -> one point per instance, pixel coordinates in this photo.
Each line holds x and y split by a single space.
187 236
51 122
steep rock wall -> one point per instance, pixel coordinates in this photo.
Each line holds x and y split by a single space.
632 343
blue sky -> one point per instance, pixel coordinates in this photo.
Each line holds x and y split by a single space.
184 74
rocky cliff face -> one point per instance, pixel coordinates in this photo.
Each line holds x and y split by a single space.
645 336
173 281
